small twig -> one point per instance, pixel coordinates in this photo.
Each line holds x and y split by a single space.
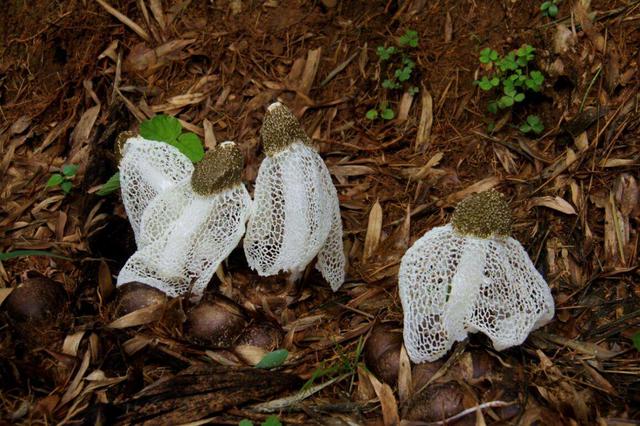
125 20
338 69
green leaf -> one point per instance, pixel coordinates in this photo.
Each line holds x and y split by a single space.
190 145
485 84
372 114
66 186
525 128
519 97
69 170
410 38
553 11
390 84
488 55
272 420
110 185
384 53
408 62
403 74
55 180
505 102
161 128
492 107
535 123
636 340
273 359
245 422
544 6
388 114
20 253
413 90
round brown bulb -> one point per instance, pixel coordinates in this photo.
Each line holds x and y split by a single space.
382 352
134 295
263 335
436 403
216 321
280 129
37 301
122 138
483 215
220 169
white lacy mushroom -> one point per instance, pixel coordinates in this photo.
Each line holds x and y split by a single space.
147 168
296 214
470 276
190 226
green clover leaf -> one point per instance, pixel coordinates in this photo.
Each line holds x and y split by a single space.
388 114
273 359
69 170
55 180
385 53
410 38
162 128
190 145
66 186
110 185
488 55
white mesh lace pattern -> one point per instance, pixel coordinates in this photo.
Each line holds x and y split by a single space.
295 216
186 236
148 168
451 285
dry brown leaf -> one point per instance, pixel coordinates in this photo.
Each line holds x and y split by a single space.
140 317
72 343
423 136
374 230
4 293
156 9
481 186
20 125
354 170
404 376
448 28
75 387
82 130
384 393
555 203
310 70
209 136
618 162
105 283
586 348
252 355
405 106
135 344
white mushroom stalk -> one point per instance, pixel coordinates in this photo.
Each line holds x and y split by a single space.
147 168
296 214
470 276
189 228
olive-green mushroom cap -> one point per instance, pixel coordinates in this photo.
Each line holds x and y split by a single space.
280 129
220 169
122 138
483 215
